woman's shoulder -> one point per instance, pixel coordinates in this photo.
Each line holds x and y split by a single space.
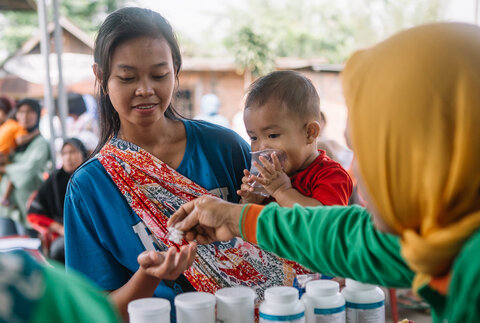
90 171
469 253
211 132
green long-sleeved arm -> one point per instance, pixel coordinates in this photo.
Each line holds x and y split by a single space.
339 241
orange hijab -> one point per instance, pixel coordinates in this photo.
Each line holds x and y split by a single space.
414 122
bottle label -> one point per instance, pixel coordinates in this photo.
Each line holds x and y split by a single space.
330 315
372 312
295 318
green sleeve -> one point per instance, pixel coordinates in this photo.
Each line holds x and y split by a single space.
70 298
338 241
463 297
27 167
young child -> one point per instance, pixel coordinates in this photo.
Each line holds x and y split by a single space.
282 112
12 134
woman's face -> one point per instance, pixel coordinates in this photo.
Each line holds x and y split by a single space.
26 116
141 82
71 158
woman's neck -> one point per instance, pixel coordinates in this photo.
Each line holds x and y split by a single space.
165 140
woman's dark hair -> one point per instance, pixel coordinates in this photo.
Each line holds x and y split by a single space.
35 105
120 26
78 144
5 105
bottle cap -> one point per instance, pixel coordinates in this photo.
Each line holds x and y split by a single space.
195 300
236 295
149 305
358 285
322 287
281 294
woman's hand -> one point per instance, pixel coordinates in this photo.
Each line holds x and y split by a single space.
207 219
168 264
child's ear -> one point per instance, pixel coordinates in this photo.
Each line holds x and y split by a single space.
313 131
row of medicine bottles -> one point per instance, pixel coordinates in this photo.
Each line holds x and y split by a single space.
322 303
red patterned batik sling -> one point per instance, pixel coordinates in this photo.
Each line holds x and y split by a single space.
154 191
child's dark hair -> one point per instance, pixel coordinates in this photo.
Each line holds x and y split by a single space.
295 91
120 26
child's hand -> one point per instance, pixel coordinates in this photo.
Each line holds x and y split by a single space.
246 191
168 264
273 178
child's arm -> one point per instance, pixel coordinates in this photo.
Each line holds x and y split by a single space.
26 138
278 184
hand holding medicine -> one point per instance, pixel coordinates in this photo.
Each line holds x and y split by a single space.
168 264
207 219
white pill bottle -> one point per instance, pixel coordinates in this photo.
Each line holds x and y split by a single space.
323 302
198 307
364 302
235 305
281 305
149 310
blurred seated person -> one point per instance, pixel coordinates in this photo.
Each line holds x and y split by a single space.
27 162
335 150
45 213
12 134
84 125
209 107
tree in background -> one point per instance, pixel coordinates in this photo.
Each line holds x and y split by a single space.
303 28
252 53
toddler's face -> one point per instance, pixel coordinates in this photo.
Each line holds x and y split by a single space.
272 126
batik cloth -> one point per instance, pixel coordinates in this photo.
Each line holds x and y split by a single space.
155 191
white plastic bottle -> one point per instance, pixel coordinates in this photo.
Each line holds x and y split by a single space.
281 305
149 310
235 305
196 307
323 302
364 302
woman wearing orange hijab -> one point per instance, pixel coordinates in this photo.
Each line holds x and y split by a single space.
414 125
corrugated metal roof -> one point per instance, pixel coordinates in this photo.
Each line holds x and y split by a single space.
28 5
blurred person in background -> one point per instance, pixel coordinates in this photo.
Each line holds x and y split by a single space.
83 124
27 163
209 111
45 213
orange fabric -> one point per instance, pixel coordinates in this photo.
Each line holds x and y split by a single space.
440 284
9 131
249 222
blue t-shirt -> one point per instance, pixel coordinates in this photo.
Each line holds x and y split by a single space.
104 236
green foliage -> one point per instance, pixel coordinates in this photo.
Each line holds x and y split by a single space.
331 30
16 28
251 51
302 28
